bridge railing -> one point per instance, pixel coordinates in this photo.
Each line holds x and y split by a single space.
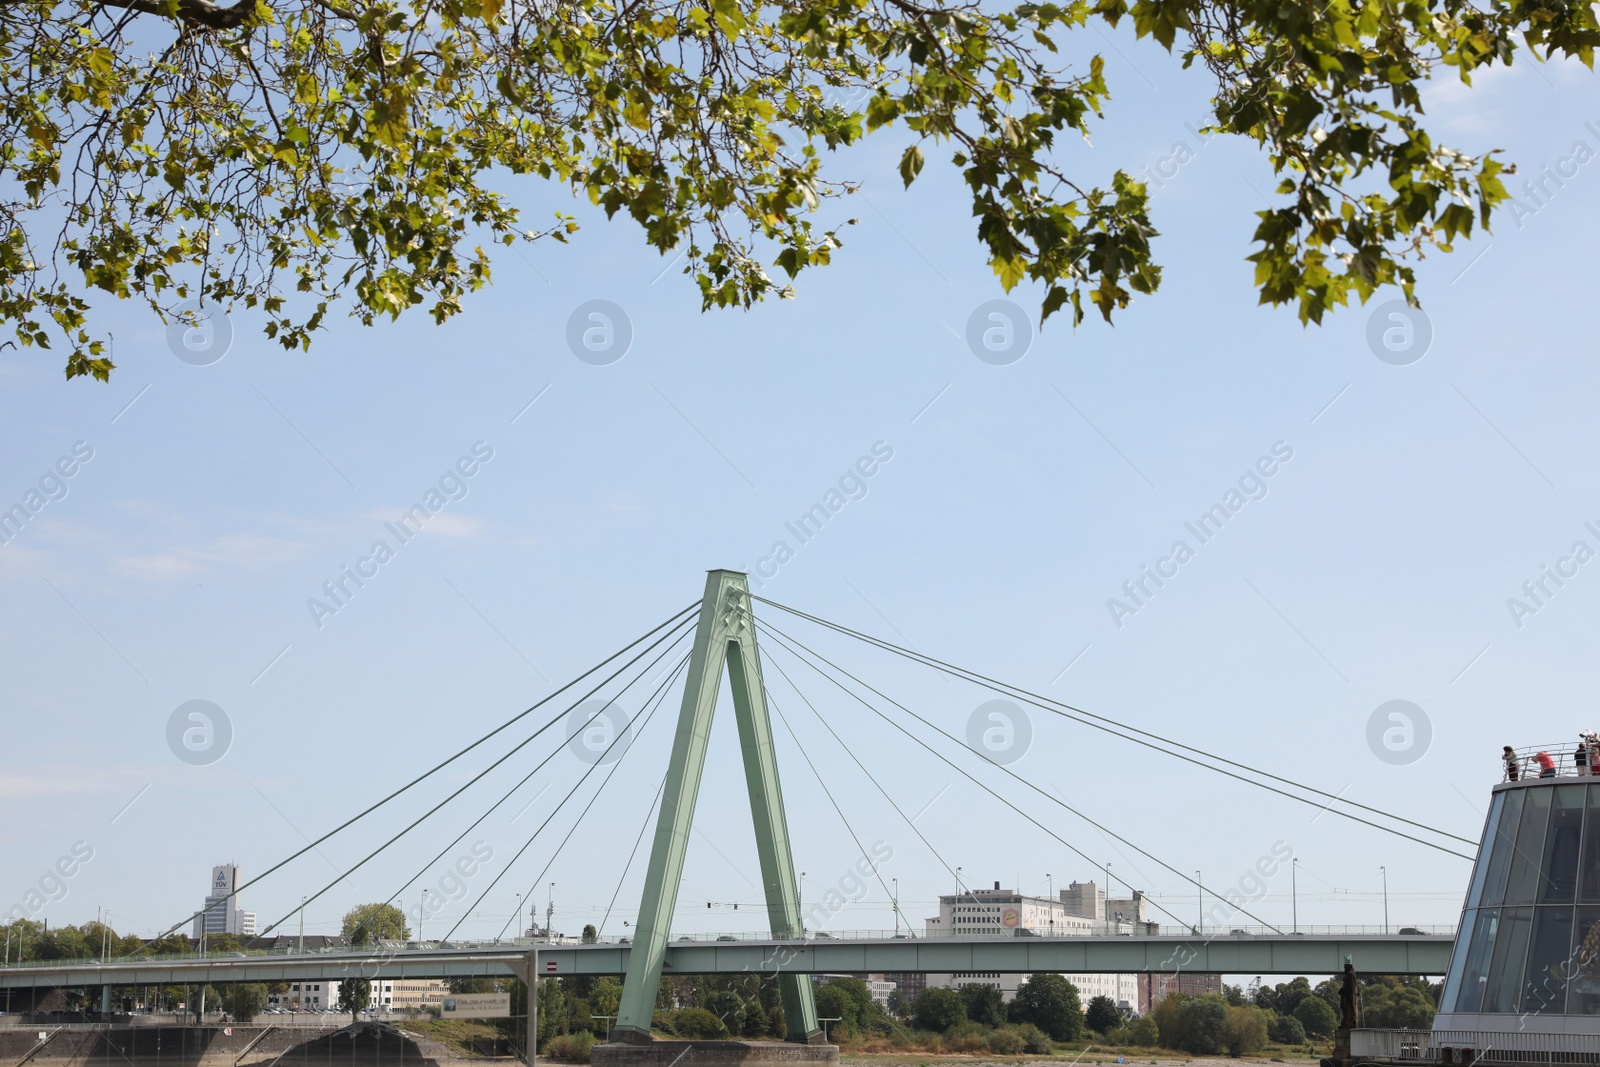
344 952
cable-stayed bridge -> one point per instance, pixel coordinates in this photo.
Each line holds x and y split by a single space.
1262 954
725 635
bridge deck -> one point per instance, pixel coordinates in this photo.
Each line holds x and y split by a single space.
1307 954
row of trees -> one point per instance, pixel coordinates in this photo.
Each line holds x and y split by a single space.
1387 1001
28 939
1046 1001
1238 1020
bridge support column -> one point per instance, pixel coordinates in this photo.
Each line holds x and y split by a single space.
105 1002
725 635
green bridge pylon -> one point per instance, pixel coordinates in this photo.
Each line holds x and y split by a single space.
725 635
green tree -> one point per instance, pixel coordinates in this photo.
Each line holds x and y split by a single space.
1285 997
1049 1002
590 934
368 923
223 943
1143 1031
1393 1003
606 997
476 985
937 1008
355 995
297 156
1287 1030
1102 1015
1316 1016
984 1004
730 1007
1191 1023
63 943
1244 1029
552 1002
243 1001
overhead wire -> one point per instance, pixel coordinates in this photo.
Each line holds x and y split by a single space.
524 780
554 812
912 823
480 775
660 692
1166 745
660 788
851 830
671 619
784 641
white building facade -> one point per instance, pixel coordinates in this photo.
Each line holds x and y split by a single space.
1079 911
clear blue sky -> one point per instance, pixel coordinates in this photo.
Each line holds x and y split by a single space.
1018 500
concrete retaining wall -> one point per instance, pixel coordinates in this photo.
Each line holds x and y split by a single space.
370 1045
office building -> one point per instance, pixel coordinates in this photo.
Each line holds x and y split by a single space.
222 913
1006 912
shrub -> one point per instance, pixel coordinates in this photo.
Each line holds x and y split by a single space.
1034 1041
662 1020
575 1048
1007 1043
1287 1030
964 1043
1316 1016
697 1023
1142 1031
1244 1030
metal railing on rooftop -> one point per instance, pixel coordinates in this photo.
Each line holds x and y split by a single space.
1567 760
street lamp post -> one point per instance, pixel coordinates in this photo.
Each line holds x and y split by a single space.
1200 893
1050 891
1294 893
896 882
1385 872
422 913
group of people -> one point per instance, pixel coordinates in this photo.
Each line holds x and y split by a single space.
1586 757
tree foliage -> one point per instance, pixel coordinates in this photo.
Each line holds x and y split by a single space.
365 924
1285 996
850 1001
1244 1029
1051 1003
1287 1030
355 995
983 1003
1193 1023
242 1001
1102 1015
1394 1003
295 156
1316 1016
937 1008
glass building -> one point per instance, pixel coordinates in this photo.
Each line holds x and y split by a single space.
1527 956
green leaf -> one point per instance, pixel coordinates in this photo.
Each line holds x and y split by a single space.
911 165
